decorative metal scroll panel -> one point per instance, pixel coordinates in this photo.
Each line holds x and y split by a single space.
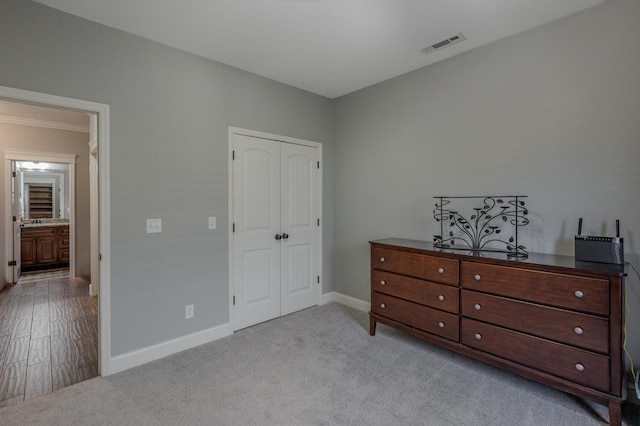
481 223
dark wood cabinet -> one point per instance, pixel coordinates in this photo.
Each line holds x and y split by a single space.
63 243
44 246
27 250
548 318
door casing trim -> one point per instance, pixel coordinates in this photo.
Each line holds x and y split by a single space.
102 112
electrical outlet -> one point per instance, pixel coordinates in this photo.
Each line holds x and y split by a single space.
154 225
212 222
189 311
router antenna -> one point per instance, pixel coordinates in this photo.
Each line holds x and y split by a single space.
618 228
580 226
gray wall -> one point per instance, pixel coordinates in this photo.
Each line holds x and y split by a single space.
26 138
170 113
552 113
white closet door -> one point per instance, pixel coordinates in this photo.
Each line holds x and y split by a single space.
299 219
256 252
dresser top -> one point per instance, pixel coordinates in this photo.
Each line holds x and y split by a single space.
534 259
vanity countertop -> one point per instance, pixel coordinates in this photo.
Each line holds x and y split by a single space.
43 224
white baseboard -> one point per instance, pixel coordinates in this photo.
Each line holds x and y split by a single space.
343 299
142 356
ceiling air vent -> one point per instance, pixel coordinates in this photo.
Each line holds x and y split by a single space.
444 43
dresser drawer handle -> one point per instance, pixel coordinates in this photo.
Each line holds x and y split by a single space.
441 270
579 294
477 307
579 367
441 324
382 260
478 336
383 282
578 330
441 298
382 305
477 277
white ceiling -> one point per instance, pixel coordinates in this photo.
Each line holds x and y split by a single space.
328 47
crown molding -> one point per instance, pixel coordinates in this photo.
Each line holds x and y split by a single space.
7 119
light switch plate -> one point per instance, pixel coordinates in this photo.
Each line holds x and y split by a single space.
154 225
212 222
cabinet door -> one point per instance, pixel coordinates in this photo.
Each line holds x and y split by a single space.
28 251
46 250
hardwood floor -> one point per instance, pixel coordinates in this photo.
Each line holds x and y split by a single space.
48 335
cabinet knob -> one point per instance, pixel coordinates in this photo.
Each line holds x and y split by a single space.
579 294
478 336
441 270
383 282
441 324
382 260
478 277
441 298
382 305
579 367
477 306
578 330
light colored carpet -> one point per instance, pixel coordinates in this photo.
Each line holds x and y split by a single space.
315 367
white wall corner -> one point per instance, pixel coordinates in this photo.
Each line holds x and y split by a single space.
343 299
151 353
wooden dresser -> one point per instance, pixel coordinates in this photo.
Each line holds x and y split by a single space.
548 318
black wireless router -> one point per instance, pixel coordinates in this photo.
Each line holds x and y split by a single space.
600 249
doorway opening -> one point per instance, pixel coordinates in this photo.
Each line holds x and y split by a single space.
79 317
41 210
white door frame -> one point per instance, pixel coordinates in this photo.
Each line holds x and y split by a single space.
43 157
94 212
239 131
102 112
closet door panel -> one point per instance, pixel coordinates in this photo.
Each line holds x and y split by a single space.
256 251
299 219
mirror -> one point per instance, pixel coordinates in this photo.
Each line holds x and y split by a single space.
45 190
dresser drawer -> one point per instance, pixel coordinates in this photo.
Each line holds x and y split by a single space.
565 291
572 328
428 293
430 320
575 364
442 270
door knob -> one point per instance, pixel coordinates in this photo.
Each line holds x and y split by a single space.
285 236
278 236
